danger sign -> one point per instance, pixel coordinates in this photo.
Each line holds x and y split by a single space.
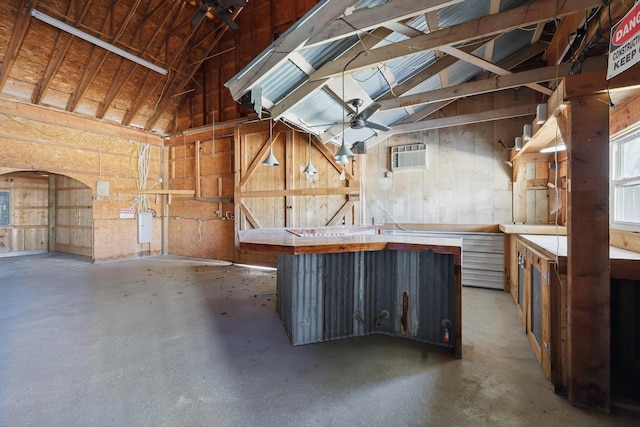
624 47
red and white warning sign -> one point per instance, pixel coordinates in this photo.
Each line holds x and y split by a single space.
624 46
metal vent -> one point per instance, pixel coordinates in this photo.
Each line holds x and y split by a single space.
409 157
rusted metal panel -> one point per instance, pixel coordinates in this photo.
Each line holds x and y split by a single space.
401 293
483 256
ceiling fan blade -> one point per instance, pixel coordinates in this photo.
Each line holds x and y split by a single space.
377 126
199 16
368 112
238 3
222 14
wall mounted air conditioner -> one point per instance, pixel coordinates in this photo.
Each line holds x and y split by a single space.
409 157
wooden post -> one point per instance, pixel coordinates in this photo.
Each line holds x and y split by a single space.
197 169
289 201
164 171
53 203
588 299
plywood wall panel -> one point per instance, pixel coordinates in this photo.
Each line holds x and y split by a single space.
467 180
87 157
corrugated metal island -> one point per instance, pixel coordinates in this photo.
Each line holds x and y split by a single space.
345 282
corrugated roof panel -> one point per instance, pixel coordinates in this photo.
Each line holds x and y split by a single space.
462 72
319 55
372 82
389 117
432 83
392 38
353 135
278 83
406 67
462 12
320 110
480 52
510 4
509 43
419 23
362 4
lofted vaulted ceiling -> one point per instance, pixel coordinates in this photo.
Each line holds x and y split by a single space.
407 60
411 57
43 65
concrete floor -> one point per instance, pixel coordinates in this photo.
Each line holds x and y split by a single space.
181 342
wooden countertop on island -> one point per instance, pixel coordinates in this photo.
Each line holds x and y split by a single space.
281 240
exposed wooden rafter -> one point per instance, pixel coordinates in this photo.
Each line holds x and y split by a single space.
95 60
460 120
368 18
483 63
126 68
20 26
507 81
528 14
62 45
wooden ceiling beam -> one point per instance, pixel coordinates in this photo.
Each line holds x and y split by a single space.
528 14
20 28
509 63
365 19
100 56
150 83
61 47
465 119
489 66
126 68
509 81
564 37
295 38
437 67
166 98
94 62
65 119
367 42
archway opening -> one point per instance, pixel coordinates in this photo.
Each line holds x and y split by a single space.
44 212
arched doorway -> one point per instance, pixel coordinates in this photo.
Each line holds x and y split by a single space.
44 212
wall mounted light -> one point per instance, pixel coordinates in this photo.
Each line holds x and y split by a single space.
526 132
96 41
518 143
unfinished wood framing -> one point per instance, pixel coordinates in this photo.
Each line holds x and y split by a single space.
588 263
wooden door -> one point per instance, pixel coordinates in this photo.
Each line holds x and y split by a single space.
539 308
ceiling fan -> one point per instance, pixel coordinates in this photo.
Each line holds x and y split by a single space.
361 118
220 8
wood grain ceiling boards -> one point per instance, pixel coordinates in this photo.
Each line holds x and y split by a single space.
45 66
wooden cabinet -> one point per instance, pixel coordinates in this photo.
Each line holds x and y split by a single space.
539 291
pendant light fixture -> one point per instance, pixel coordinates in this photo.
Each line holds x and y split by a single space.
271 159
344 151
344 154
309 170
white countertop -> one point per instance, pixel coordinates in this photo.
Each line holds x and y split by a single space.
557 245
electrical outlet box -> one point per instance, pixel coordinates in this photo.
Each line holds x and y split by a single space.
145 227
102 188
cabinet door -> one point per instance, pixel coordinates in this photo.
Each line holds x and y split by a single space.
538 308
519 290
